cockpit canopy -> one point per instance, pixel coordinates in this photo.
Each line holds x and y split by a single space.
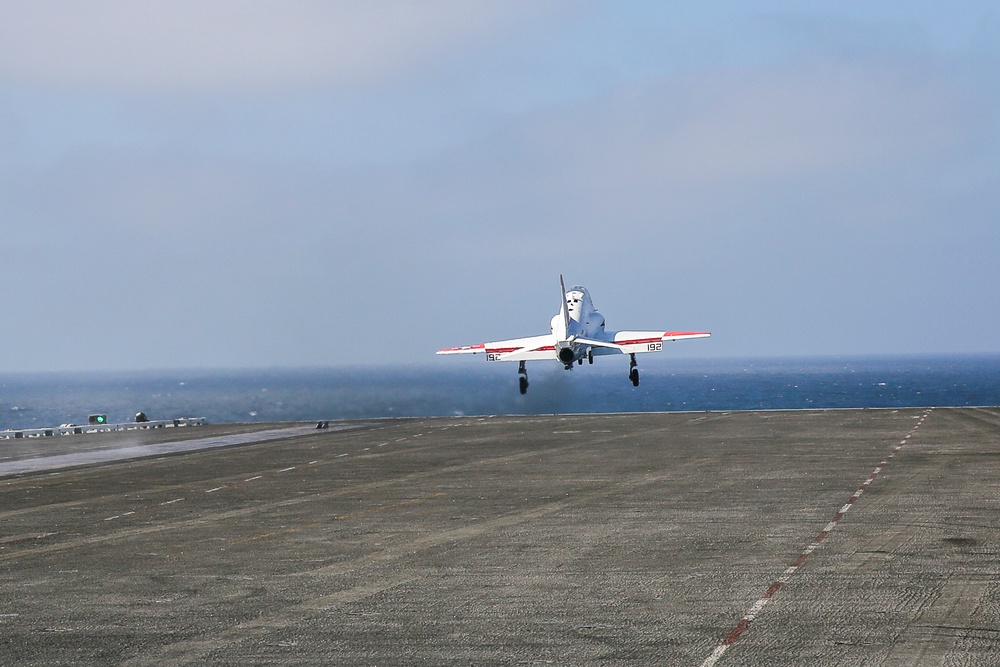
580 309
576 296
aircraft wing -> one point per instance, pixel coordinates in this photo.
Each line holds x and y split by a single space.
515 349
632 342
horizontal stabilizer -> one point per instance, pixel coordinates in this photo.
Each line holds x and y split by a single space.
527 349
599 343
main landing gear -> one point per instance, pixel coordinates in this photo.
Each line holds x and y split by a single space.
522 371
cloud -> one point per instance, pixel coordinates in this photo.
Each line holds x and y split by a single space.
236 45
748 127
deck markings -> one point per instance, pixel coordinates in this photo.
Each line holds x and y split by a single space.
46 463
340 517
213 490
761 602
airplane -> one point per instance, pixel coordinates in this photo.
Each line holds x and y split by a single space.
577 333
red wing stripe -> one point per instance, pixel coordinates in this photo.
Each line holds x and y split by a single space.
464 347
666 334
505 350
637 341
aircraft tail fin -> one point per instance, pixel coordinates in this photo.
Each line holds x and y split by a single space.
563 322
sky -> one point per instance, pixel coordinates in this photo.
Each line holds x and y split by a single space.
233 184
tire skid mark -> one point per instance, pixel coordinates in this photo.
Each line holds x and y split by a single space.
196 650
254 510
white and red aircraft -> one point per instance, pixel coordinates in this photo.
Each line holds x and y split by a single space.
577 334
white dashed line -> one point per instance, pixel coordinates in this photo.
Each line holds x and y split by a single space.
758 606
105 455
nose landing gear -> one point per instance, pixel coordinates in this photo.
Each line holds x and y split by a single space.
522 370
633 372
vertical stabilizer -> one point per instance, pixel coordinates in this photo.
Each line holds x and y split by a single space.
562 330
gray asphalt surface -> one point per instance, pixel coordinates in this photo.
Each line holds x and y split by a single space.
849 537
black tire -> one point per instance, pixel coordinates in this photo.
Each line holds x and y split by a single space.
524 385
634 377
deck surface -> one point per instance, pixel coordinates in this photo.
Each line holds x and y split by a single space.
841 537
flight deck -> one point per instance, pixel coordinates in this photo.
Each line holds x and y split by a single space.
833 537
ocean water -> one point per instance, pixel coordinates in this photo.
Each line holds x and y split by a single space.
470 386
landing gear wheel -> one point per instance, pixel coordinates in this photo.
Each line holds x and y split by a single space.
634 377
522 370
524 385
